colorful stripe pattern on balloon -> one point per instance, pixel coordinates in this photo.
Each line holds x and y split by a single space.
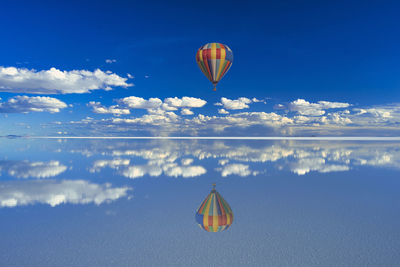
214 214
214 60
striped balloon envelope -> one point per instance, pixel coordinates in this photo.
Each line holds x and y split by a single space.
214 214
214 60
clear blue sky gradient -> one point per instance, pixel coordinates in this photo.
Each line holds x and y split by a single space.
343 51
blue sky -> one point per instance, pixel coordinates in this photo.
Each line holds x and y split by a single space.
287 54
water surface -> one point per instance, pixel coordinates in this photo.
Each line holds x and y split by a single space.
133 202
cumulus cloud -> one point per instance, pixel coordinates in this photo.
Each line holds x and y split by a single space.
223 161
304 107
255 100
185 102
154 106
116 110
383 113
55 81
222 111
243 119
235 104
110 61
57 192
279 106
164 123
36 169
149 119
186 111
26 104
240 103
186 161
168 117
135 102
340 118
382 116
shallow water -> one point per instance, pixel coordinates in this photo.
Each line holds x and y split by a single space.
133 202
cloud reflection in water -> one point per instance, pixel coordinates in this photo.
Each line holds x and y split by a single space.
152 168
36 169
56 192
188 158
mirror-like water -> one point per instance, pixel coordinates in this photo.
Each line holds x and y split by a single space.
133 202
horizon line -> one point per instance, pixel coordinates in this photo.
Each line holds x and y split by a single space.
321 138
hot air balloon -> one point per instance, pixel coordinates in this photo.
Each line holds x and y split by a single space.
214 60
214 214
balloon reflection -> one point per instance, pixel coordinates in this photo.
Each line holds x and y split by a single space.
214 214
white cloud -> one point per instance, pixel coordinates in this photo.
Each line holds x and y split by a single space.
279 106
116 110
160 122
185 102
338 118
222 111
223 162
149 119
140 103
37 169
240 103
186 111
25 104
304 107
186 161
255 100
56 192
154 106
110 61
55 81
376 112
308 118
243 119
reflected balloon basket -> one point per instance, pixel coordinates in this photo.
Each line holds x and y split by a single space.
214 213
